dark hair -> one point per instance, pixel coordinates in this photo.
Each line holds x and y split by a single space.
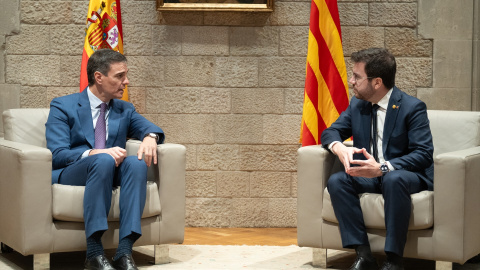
100 61
379 63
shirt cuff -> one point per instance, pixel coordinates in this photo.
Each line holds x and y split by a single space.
390 167
330 146
86 153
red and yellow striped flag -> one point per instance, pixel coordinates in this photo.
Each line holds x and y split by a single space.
103 30
326 89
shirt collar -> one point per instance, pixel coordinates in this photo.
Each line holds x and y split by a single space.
383 103
94 100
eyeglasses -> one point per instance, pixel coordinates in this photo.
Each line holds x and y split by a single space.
358 80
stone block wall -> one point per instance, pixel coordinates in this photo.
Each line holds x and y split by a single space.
229 86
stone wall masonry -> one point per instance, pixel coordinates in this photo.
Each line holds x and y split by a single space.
353 14
46 12
137 96
2 66
257 100
293 40
33 39
187 100
453 53
33 70
238 129
230 85
236 72
404 42
270 184
146 70
9 99
206 40
33 97
190 71
356 38
392 14
476 57
138 40
256 41
250 212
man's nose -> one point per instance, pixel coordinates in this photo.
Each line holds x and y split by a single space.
351 80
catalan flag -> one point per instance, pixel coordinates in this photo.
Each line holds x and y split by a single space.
326 89
103 30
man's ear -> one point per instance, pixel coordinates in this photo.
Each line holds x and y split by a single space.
377 82
98 77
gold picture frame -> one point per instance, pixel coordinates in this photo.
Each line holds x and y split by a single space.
215 5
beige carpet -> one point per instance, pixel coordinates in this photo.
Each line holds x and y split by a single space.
219 257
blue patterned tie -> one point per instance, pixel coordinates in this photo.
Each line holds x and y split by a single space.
101 128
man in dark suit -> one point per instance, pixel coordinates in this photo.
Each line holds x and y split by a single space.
392 154
87 134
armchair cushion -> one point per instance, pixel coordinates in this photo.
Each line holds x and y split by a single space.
68 202
26 126
421 216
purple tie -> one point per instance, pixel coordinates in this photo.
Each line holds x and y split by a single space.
101 128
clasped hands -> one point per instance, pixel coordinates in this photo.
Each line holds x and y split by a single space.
148 148
368 168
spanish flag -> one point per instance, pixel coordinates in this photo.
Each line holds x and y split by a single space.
103 30
326 88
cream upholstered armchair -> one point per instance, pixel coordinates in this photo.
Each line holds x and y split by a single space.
39 218
445 223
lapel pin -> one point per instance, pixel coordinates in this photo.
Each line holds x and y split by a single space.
395 107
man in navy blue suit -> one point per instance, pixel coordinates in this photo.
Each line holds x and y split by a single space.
392 154
87 134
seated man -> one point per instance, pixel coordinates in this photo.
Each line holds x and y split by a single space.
392 155
87 134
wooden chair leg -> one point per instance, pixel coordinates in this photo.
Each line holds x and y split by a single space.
319 257
41 261
161 254
439 265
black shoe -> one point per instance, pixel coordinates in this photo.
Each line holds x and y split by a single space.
391 266
98 263
475 259
361 263
125 263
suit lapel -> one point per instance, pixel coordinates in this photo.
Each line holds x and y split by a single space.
85 117
391 117
114 119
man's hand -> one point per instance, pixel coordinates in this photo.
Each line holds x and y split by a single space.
148 147
345 154
366 168
119 154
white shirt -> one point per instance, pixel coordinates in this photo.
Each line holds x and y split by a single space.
381 114
95 110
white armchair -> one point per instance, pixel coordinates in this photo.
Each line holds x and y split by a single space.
445 223
39 218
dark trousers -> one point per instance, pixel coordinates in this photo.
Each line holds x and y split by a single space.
396 187
99 176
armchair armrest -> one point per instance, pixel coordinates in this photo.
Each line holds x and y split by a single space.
315 165
25 197
169 174
457 204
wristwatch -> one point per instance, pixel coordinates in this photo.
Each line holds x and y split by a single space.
384 168
153 135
